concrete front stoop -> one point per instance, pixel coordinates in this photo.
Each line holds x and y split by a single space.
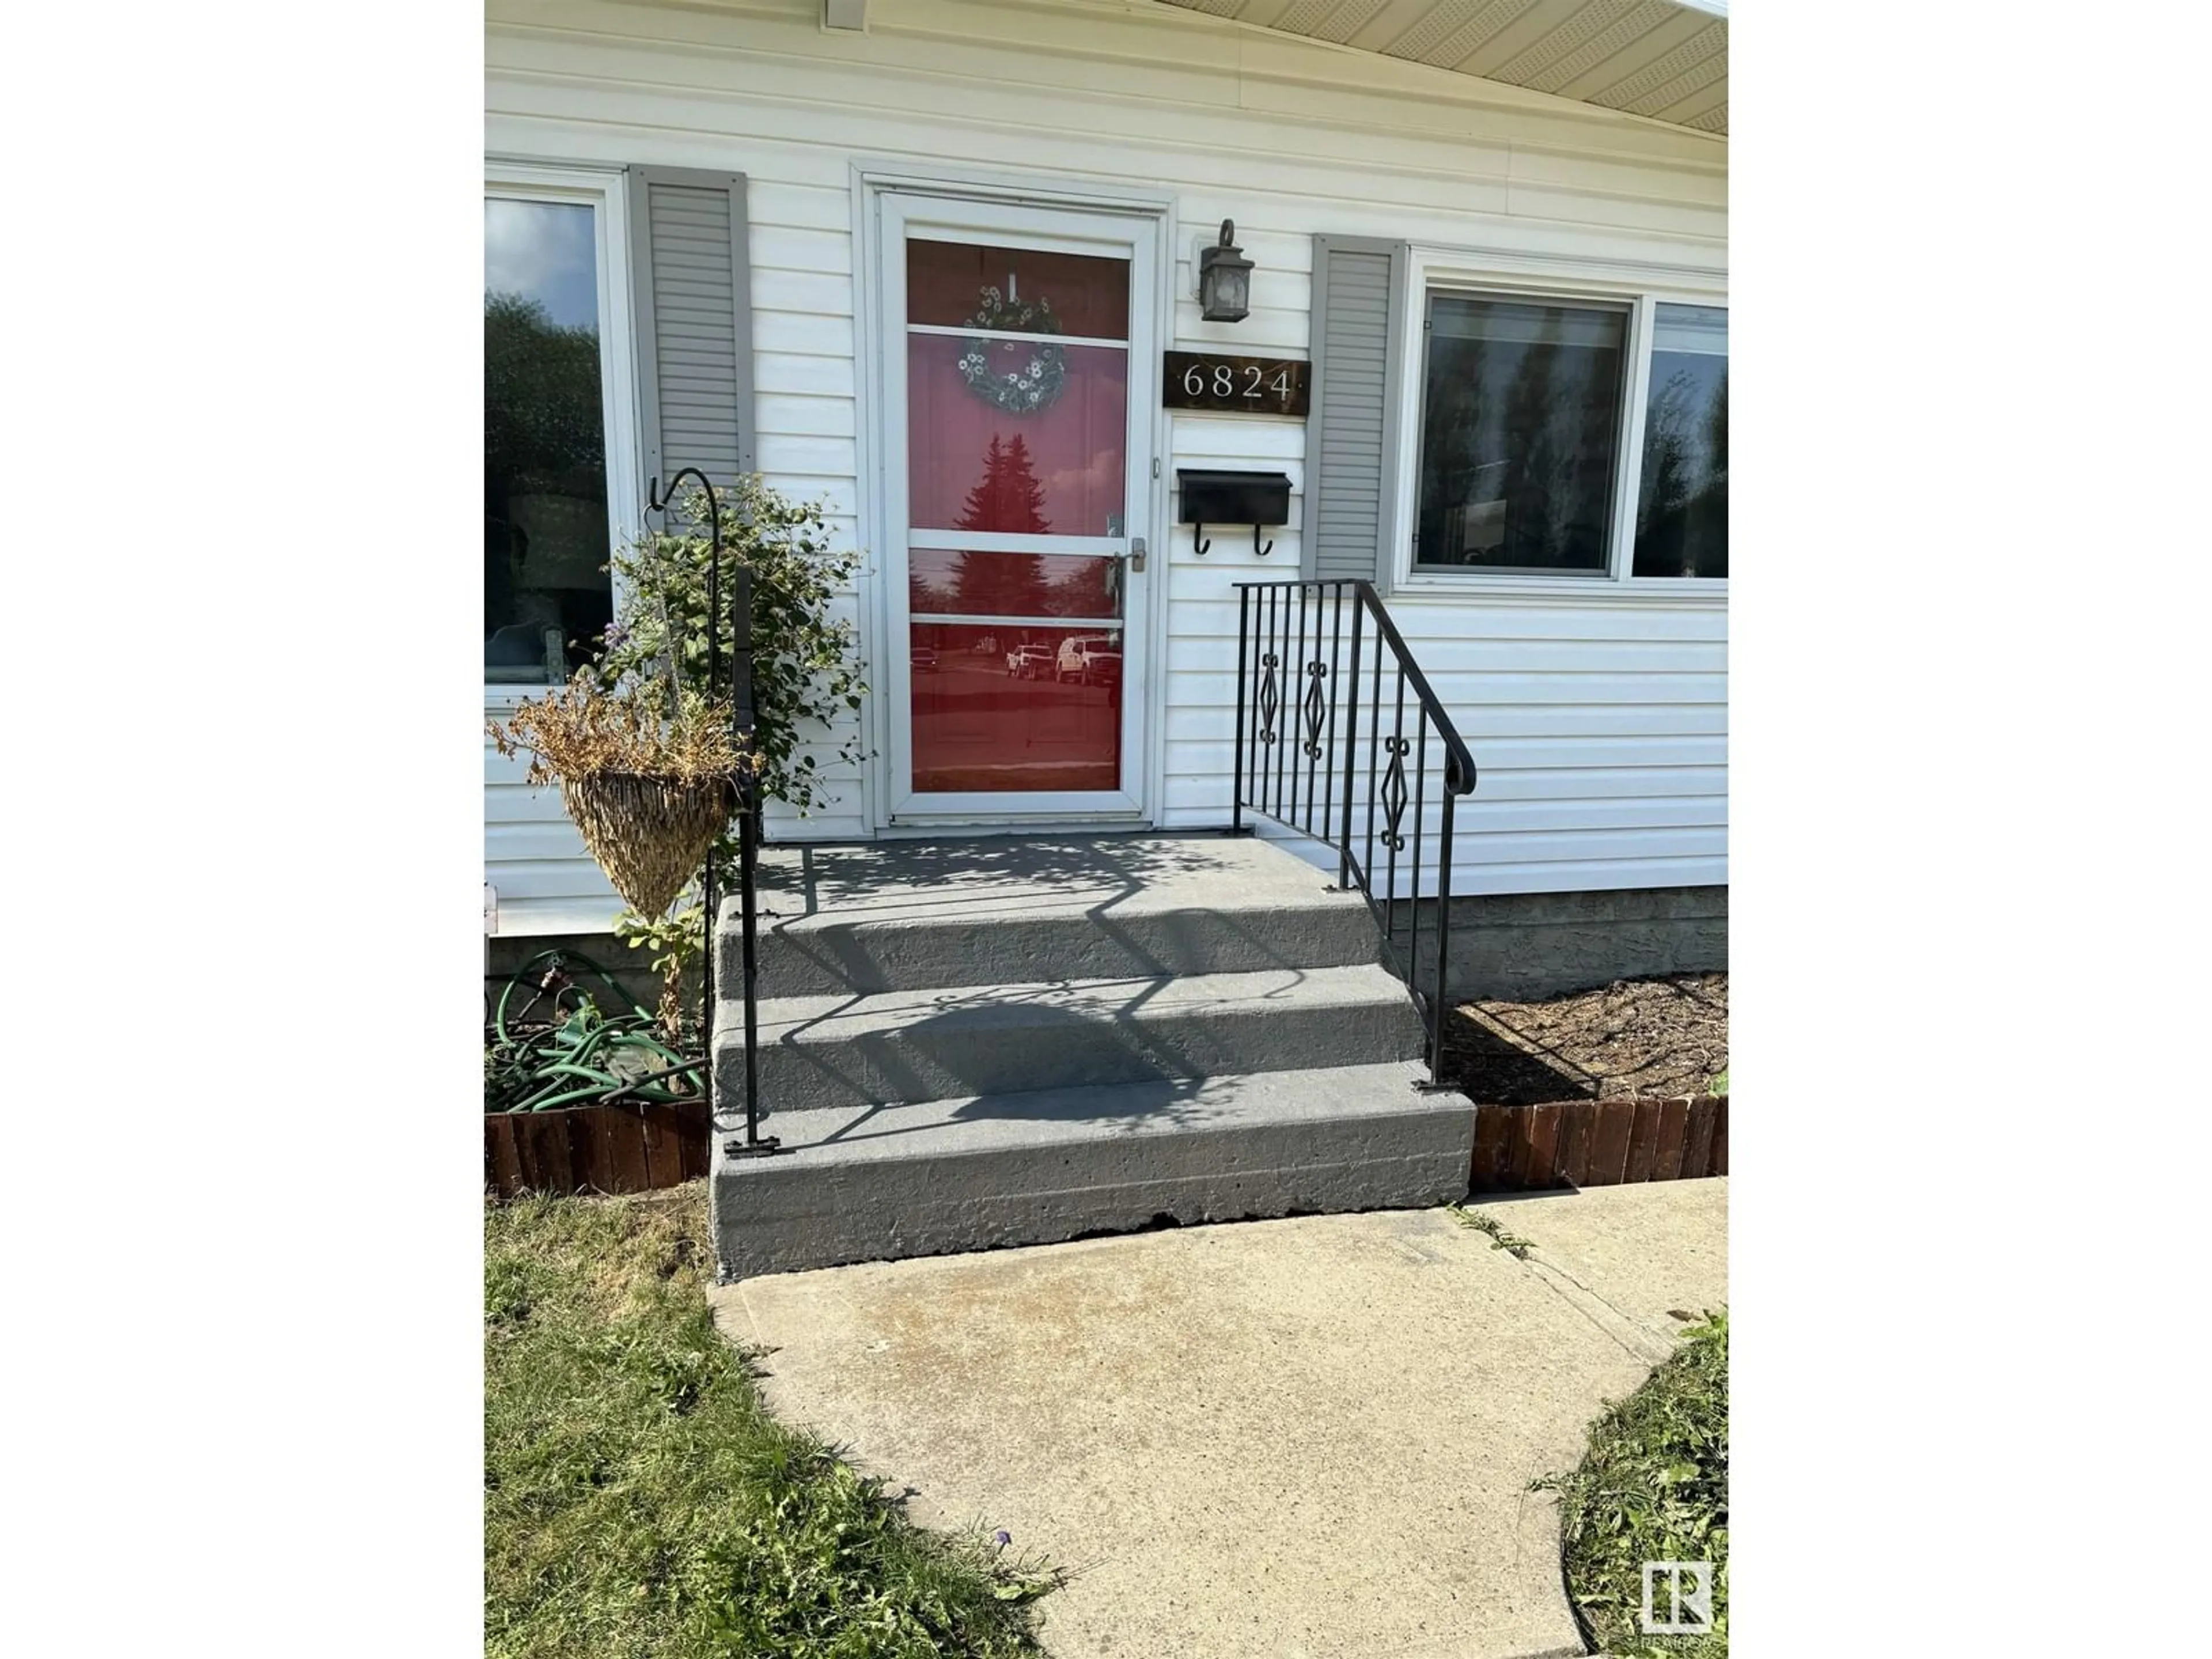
970 1043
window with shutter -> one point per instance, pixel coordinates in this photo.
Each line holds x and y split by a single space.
1554 435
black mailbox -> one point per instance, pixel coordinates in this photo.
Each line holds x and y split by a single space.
1253 498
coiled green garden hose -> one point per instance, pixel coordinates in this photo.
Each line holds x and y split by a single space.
573 1053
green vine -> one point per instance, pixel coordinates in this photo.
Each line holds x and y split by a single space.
806 669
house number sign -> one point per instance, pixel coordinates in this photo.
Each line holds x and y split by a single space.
1236 385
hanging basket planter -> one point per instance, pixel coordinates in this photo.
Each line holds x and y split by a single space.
649 791
649 833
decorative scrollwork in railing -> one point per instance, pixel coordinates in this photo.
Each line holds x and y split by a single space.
1316 707
1268 702
1395 795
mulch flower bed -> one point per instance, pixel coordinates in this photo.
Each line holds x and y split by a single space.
1637 1037
1614 1084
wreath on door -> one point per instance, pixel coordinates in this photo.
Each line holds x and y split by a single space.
1032 384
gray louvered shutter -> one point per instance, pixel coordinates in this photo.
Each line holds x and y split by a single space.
691 286
1352 432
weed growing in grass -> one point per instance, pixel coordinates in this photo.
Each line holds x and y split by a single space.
641 1504
1653 1487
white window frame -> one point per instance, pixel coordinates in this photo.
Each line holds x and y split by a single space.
1430 270
604 189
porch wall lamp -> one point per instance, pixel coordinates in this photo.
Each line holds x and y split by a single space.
1224 278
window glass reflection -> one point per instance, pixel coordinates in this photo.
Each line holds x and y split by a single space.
546 592
1682 510
1015 707
1520 424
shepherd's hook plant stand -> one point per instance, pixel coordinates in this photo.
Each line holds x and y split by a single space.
754 1144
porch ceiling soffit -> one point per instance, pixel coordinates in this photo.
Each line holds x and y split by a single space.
1663 59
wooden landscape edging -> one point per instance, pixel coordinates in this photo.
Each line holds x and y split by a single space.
631 1147
1598 1143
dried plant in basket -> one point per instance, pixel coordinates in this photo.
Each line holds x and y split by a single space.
649 789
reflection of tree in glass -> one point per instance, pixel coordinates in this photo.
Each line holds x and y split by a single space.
1682 514
1667 479
1592 441
543 441
1537 477
926 597
1708 509
1007 501
1517 439
542 409
1716 434
1451 447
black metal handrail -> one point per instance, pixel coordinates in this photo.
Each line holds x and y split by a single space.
1292 632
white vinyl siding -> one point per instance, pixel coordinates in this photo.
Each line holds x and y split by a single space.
546 882
1600 728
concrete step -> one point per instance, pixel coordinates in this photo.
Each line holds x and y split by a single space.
846 1053
977 1171
925 915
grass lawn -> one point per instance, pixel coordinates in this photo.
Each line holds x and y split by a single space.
639 1501
1653 1487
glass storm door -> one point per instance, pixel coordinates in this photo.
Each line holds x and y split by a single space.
1020 366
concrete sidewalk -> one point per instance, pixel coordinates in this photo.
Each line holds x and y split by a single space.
1307 1438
